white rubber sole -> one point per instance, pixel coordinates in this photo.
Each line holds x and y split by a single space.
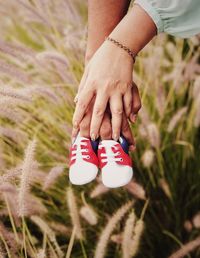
116 176
80 174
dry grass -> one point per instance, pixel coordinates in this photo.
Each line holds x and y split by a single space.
41 62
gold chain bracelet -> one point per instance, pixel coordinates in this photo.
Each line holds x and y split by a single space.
117 43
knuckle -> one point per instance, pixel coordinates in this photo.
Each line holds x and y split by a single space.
110 81
109 84
125 86
117 111
137 106
98 111
91 82
84 126
128 84
81 104
75 122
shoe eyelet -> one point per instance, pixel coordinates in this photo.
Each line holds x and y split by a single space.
88 156
121 159
118 153
86 150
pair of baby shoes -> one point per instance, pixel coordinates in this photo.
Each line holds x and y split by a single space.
110 156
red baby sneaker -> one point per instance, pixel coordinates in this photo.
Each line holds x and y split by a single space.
83 161
115 163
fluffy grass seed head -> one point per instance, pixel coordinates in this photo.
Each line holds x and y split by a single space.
176 118
186 249
99 190
48 231
139 228
127 235
50 179
25 178
148 158
107 231
136 190
89 214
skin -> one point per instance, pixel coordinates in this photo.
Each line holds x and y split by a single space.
105 15
105 81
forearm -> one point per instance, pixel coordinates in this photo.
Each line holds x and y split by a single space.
135 30
103 16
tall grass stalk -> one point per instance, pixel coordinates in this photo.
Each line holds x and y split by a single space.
107 231
71 242
42 50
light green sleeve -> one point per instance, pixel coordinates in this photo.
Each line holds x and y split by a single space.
176 17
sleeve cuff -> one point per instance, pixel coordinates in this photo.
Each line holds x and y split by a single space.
152 12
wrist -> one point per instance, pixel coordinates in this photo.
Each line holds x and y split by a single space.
111 51
123 47
135 30
89 54
117 54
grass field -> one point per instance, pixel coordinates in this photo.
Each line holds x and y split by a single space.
41 215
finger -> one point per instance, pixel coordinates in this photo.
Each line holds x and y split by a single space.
128 100
106 128
74 133
97 115
81 107
81 85
116 108
136 99
85 123
127 133
84 127
136 104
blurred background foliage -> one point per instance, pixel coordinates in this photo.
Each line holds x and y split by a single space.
41 62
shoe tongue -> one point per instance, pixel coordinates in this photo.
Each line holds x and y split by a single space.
122 141
109 143
124 144
94 145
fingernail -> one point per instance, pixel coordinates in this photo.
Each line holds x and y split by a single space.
115 137
133 117
132 147
93 137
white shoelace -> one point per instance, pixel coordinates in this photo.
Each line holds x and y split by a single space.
77 154
109 156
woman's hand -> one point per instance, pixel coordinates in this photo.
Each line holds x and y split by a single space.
106 127
107 78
